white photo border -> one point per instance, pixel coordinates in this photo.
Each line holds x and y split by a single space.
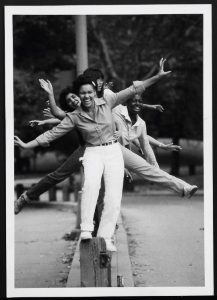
206 10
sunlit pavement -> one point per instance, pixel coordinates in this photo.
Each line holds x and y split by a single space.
42 256
165 236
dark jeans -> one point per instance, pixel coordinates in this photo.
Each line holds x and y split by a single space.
64 171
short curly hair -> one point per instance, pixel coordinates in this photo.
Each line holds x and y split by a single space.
81 80
94 73
62 98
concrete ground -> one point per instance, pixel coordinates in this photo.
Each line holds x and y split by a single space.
165 236
166 239
42 256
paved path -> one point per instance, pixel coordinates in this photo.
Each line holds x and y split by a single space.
165 235
42 256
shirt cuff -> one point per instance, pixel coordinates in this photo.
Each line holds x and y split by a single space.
139 87
42 141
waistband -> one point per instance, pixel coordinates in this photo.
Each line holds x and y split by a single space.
104 144
109 143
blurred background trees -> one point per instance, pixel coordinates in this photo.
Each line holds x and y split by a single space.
126 48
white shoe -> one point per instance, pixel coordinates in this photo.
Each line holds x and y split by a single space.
189 191
86 235
110 246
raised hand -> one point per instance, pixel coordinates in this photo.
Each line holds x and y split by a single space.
18 142
171 147
46 86
47 113
161 71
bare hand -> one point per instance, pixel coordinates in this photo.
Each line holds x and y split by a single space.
34 123
19 143
47 113
46 86
171 147
128 175
158 107
117 134
161 71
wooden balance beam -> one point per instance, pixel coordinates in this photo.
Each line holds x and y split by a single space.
90 267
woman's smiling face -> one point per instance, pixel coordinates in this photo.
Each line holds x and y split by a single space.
135 105
72 100
87 94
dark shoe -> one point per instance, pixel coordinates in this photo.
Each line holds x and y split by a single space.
20 203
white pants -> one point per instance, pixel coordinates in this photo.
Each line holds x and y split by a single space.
106 161
140 166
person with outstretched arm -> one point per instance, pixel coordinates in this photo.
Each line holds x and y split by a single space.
93 119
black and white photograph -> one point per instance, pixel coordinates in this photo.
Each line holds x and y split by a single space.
109 150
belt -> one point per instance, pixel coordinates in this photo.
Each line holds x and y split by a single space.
109 143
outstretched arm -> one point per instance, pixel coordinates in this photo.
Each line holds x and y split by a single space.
169 146
52 121
138 87
18 142
55 110
157 107
44 139
146 148
161 73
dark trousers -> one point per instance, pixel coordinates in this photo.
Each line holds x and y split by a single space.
65 170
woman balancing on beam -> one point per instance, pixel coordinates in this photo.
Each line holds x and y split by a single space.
69 102
85 234
93 119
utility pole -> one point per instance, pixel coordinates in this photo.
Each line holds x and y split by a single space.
81 43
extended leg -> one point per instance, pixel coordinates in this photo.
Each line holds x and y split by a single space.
66 169
140 166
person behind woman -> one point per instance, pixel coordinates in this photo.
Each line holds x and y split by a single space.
68 102
134 128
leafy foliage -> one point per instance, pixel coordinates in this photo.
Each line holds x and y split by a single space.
126 48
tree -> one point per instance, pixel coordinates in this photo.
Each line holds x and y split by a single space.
126 48
132 53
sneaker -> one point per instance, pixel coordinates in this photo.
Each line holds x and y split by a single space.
20 203
86 235
190 191
110 246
